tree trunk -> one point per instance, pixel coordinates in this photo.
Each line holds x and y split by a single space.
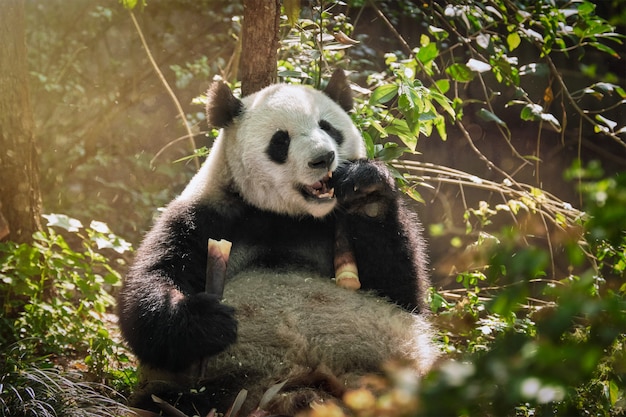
259 44
19 183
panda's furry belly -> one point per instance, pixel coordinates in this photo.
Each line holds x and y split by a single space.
307 331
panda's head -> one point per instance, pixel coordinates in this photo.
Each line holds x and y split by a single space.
281 144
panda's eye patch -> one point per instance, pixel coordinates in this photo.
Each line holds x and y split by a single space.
332 132
278 148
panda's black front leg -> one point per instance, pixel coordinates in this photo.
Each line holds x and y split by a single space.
168 316
385 234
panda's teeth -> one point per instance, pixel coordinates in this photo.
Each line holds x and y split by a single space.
330 194
319 189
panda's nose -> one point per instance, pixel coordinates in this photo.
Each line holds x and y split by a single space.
323 161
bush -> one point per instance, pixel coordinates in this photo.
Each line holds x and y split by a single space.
57 302
37 392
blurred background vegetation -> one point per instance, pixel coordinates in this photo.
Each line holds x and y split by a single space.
504 119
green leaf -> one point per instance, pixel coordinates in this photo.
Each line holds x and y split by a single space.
602 47
384 93
614 392
390 152
401 129
376 125
460 73
513 40
440 125
293 74
443 85
438 302
597 28
535 112
605 87
428 53
428 116
406 101
292 10
414 194
439 33
444 102
490 117
369 144
586 8
610 123
131 4
398 127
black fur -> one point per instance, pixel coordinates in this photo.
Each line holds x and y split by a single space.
332 132
339 90
174 255
222 106
386 235
278 148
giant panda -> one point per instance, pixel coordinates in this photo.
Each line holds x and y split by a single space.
286 173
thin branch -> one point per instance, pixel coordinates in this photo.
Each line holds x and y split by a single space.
393 30
167 145
460 294
572 101
457 122
549 206
504 131
549 242
171 93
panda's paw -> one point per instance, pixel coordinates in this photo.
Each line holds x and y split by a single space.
172 334
364 187
211 324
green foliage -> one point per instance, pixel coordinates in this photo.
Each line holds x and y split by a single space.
606 200
101 114
307 45
525 338
563 355
480 47
517 342
525 344
533 323
494 34
417 106
56 299
131 4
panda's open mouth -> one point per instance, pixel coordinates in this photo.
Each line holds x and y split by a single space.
319 190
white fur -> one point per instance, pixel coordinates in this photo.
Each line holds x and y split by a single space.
239 154
298 326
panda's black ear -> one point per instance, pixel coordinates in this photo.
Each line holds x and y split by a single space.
222 106
339 90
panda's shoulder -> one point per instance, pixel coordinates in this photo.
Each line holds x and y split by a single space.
186 217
